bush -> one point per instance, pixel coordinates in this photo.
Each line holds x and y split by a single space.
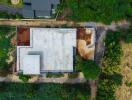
89 68
24 78
44 91
54 75
108 85
110 79
73 75
113 52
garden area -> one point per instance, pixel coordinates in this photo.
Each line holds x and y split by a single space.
110 78
104 11
7 33
116 70
18 91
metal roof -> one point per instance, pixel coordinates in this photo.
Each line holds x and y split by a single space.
43 4
42 13
27 1
31 64
41 8
55 47
27 11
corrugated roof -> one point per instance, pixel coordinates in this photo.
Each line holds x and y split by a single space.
27 11
42 13
43 4
27 1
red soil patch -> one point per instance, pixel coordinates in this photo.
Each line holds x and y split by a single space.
23 36
81 34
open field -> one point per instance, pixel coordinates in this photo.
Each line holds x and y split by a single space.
124 92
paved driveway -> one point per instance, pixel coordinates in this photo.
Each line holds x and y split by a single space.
11 10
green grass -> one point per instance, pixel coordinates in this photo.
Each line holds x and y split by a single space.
49 91
5 44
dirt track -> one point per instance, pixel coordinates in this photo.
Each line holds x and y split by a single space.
35 23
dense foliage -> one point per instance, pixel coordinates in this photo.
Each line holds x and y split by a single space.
17 91
113 52
24 78
98 10
89 68
5 45
110 79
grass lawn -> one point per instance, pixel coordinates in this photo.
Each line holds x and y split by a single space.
50 91
126 71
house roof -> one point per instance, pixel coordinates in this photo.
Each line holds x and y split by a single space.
39 13
42 8
55 47
27 1
31 64
43 4
27 11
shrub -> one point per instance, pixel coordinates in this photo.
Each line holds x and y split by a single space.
24 78
113 52
54 75
89 68
73 75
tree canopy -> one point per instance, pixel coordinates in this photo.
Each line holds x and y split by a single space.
89 68
98 10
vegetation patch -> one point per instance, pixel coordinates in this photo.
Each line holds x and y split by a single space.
89 68
49 91
24 78
113 52
54 75
73 75
6 34
111 78
96 10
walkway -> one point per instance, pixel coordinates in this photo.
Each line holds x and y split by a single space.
10 9
36 22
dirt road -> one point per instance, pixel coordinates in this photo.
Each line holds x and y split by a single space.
35 23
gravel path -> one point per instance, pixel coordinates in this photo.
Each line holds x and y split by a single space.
10 10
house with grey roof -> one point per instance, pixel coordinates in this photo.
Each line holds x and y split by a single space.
39 8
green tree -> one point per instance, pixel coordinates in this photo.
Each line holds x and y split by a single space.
89 68
98 10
